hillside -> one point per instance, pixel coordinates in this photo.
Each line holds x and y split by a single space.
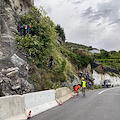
79 46
110 59
103 61
40 44
24 61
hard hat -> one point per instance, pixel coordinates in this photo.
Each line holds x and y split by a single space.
78 83
82 78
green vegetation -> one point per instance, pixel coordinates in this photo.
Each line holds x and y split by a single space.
40 44
97 86
37 45
78 46
77 59
60 32
110 59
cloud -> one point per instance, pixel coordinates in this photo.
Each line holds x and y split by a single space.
96 15
117 21
93 23
76 1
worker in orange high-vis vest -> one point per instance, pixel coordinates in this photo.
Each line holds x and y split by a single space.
75 87
79 86
83 85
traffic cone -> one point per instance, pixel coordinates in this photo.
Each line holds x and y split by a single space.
60 102
29 115
72 96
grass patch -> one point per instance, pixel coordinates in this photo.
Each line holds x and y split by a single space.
97 86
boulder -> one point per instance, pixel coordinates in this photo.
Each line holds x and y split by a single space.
6 79
17 61
10 70
16 87
13 73
1 80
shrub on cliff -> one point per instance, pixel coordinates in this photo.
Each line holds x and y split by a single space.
37 44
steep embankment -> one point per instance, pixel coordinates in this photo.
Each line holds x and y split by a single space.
11 65
9 20
27 59
40 44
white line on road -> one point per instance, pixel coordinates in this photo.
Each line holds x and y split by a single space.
102 91
105 90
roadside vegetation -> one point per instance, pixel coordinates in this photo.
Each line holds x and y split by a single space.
97 86
110 59
40 44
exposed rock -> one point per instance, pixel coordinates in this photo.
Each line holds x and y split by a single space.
9 21
9 70
102 68
1 80
64 84
16 87
17 61
13 73
14 69
6 79
1 54
76 81
20 6
1 75
71 82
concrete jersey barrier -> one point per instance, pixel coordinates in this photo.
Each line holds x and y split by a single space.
63 94
11 106
38 102
17 107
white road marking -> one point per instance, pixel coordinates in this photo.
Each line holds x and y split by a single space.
102 91
105 90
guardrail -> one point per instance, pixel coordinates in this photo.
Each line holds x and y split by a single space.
63 94
39 101
17 107
11 106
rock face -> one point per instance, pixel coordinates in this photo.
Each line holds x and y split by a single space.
71 82
13 64
21 6
9 20
11 83
102 68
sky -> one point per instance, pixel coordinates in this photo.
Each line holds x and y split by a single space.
93 23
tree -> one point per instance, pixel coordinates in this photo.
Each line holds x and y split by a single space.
104 54
60 31
113 52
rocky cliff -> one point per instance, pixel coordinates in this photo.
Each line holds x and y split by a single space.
13 64
14 68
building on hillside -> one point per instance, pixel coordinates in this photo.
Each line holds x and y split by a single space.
94 51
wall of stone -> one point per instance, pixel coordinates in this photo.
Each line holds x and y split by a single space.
10 11
100 77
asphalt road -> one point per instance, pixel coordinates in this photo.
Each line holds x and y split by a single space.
101 104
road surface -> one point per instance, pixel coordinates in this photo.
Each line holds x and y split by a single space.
101 104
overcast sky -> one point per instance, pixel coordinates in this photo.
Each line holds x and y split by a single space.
93 23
